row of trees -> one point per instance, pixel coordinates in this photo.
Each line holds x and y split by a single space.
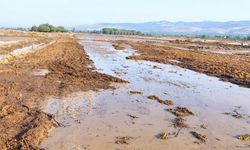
231 37
47 28
115 31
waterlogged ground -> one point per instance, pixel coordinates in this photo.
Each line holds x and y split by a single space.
99 119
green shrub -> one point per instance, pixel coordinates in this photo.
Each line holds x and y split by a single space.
44 28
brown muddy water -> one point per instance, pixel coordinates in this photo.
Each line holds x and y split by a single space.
94 120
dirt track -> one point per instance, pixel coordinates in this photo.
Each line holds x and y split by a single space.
232 68
22 124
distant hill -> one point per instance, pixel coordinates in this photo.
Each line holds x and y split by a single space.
165 27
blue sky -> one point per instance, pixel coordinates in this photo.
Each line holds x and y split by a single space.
77 12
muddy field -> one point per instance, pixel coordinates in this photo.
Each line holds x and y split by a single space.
201 58
80 91
57 69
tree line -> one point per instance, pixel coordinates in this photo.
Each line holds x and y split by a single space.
115 31
230 37
47 28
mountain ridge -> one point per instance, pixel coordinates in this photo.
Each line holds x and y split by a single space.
180 27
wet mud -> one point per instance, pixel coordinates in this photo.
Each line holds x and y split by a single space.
232 68
98 120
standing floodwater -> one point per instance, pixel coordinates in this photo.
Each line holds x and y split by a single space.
125 118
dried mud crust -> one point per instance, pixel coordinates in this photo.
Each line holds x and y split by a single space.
22 124
232 68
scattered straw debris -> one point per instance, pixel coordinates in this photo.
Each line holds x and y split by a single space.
153 97
166 102
199 136
203 126
180 123
180 111
123 140
6 110
234 114
164 136
157 67
135 92
132 116
245 137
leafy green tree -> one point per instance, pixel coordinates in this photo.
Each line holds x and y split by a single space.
53 29
61 29
44 28
34 28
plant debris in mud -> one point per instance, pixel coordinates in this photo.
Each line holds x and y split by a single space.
164 102
123 140
132 116
180 111
153 97
235 114
245 137
135 92
199 136
203 126
180 123
164 136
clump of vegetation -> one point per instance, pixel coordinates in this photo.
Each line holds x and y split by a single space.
47 28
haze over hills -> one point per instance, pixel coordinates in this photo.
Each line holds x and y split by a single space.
165 27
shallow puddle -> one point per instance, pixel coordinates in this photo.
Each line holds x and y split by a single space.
94 120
